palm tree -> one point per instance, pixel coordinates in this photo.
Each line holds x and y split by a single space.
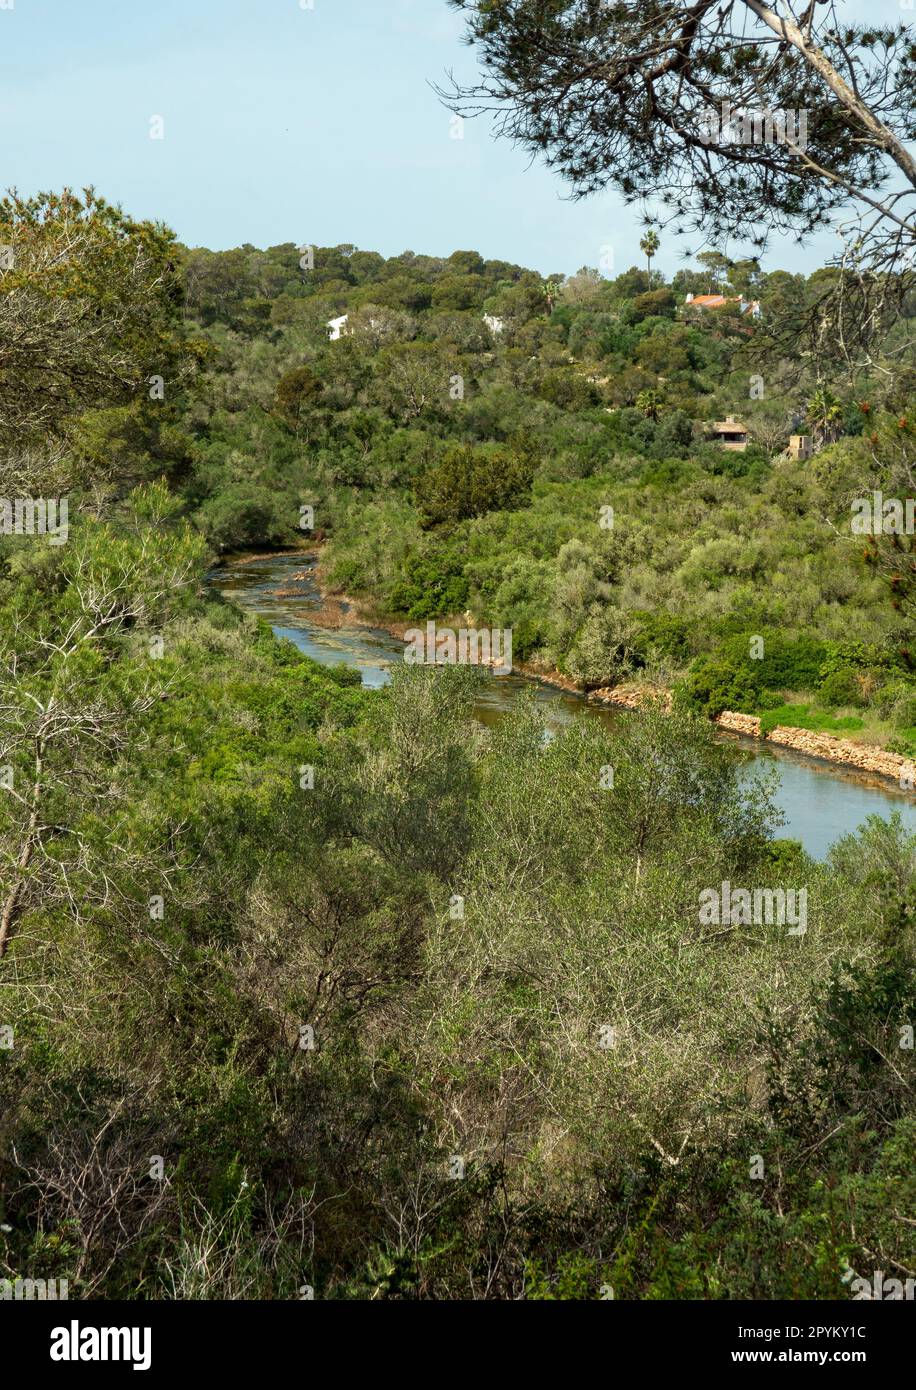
550 290
648 246
824 413
648 403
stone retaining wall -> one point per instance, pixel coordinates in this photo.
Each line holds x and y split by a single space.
827 746
739 723
626 697
816 745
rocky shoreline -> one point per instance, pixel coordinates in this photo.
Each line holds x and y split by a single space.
339 610
631 697
827 746
813 744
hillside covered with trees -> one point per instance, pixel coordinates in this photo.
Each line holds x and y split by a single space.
541 453
249 1047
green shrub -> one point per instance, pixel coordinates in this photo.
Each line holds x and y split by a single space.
859 656
248 515
432 587
662 633
896 700
841 687
470 481
734 678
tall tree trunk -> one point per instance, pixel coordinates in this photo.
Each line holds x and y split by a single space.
11 906
884 138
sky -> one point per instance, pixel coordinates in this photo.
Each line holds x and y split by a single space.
284 123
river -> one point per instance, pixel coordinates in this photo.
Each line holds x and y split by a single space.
819 801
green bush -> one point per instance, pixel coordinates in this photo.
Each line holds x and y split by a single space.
733 678
896 700
905 711
432 587
251 515
470 481
859 656
663 634
841 687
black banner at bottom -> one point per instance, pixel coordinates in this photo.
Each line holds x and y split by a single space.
67 1339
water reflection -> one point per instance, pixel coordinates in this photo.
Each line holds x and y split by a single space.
819 802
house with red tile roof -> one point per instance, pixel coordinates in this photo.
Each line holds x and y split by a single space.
719 301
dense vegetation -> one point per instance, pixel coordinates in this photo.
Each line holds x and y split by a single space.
467 439
303 985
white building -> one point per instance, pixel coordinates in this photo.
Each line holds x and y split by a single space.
336 327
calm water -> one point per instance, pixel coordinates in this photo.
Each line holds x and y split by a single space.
819 802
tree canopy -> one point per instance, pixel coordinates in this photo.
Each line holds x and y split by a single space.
668 103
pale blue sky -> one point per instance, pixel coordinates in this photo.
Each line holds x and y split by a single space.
289 124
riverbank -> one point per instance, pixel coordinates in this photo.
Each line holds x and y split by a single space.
337 609
847 752
819 801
